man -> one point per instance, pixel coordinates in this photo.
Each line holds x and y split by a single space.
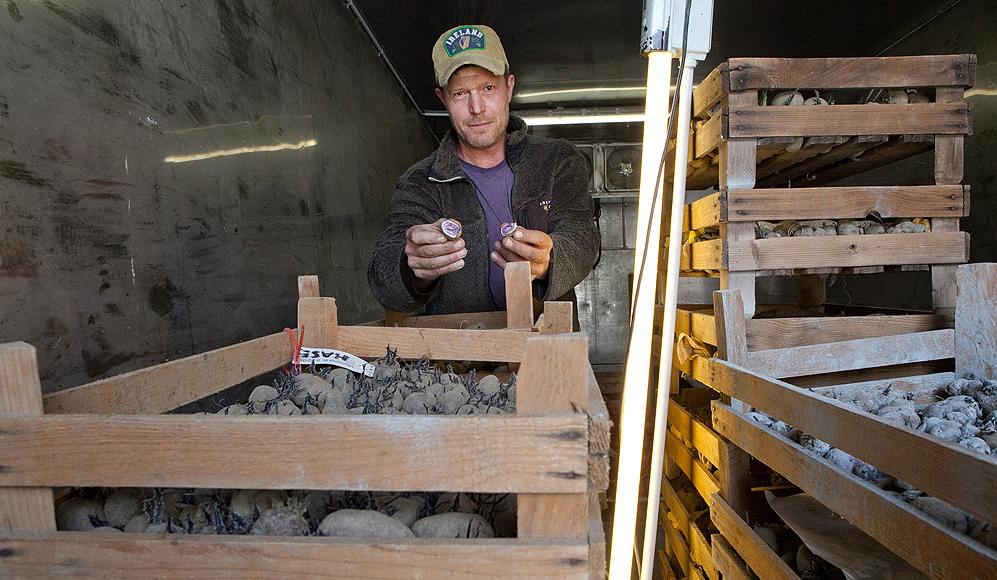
487 172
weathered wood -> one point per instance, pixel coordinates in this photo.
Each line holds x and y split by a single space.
701 554
808 203
976 322
707 137
558 318
89 554
22 509
922 460
164 387
848 120
812 168
731 326
518 296
472 320
763 561
380 453
872 374
846 251
679 548
771 333
319 318
435 343
957 70
599 436
728 563
895 149
554 379
308 287
705 212
706 255
704 481
693 433
680 514
925 543
598 566
854 354
920 386
771 169
708 93
697 324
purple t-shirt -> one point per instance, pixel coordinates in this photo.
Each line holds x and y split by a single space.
493 187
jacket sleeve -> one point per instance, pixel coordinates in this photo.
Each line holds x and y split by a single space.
571 227
391 280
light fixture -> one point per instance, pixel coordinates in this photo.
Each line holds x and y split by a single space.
241 151
583 119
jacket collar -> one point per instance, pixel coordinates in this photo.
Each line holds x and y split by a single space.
446 166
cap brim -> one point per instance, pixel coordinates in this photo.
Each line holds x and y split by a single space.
494 65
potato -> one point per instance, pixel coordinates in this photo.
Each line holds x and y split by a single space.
943 512
768 536
262 395
418 404
352 523
137 524
284 408
453 525
121 506
280 521
78 514
236 409
247 501
489 385
403 509
452 401
308 385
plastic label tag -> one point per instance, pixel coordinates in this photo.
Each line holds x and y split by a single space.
328 356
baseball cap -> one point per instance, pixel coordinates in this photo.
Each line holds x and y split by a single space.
475 44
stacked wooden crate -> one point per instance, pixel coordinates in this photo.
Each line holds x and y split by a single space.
553 453
739 147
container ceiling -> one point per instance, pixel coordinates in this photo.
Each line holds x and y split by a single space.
582 52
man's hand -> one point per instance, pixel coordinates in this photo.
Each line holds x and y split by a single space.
525 245
429 253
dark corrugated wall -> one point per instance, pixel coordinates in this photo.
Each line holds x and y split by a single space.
167 169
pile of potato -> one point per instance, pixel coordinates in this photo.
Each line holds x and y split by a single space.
964 412
842 227
418 388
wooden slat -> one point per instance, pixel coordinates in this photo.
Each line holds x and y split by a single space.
706 255
811 168
693 432
380 453
489 320
708 93
924 542
873 374
770 333
707 137
697 324
772 168
806 203
127 556
701 554
679 549
846 251
763 561
855 354
598 566
554 378
308 287
435 343
895 149
22 509
558 318
976 322
166 386
518 296
704 481
863 72
319 318
918 385
728 563
683 519
599 436
705 212
848 120
909 455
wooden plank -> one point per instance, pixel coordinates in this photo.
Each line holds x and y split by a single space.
856 72
808 203
697 324
599 436
917 384
906 454
554 378
518 295
680 515
693 433
949 168
873 374
23 509
705 212
728 563
435 343
927 544
854 354
704 481
558 318
308 287
85 554
701 554
707 137
706 255
598 566
164 387
845 251
679 549
849 120
771 333
976 322
708 93
379 453
738 171
771 170
895 149
762 560
472 320
319 318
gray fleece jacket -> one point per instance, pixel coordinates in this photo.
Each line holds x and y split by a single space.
550 193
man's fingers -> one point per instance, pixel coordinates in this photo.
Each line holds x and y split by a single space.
430 274
434 250
508 255
434 263
425 234
533 238
525 251
498 259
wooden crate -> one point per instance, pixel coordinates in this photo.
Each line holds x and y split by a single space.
739 147
553 453
952 473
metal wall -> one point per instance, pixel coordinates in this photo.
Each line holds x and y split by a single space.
167 169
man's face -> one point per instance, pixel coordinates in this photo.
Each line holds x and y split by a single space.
478 103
